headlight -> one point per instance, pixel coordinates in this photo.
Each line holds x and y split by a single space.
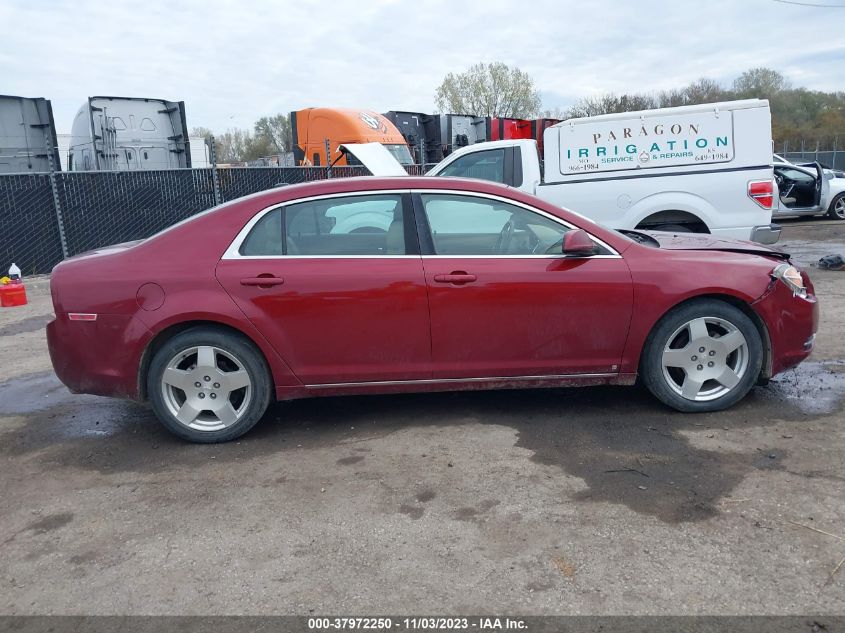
789 275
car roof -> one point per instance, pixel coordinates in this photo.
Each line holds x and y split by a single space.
373 183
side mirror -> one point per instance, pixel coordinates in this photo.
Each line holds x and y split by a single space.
577 243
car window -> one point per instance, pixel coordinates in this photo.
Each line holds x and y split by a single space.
487 165
357 225
796 174
265 238
466 225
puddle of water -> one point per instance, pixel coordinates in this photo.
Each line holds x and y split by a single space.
35 392
813 387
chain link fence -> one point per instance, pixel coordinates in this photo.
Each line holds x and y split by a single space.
49 216
829 152
30 231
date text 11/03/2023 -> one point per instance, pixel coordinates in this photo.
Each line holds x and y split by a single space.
420 623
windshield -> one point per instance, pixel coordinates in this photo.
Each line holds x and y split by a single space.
400 152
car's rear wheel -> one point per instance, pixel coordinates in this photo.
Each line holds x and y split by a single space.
703 356
208 385
836 210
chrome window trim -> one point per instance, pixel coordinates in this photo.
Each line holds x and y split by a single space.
232 252
423 381
475 194
538 256
265 257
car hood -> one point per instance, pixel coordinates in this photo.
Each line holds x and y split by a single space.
699 242
375 157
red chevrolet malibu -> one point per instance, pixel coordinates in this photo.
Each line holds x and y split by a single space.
384 285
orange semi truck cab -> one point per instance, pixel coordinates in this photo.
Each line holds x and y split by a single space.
312 126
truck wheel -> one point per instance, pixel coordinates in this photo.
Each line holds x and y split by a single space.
673 228
208 385
836 210
702 356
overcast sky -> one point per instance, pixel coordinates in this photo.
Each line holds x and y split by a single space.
235 61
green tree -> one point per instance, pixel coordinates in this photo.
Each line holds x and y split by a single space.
763 83
493 89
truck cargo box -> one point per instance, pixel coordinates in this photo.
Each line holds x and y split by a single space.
411 126
128 134
538 126
502 128
27 131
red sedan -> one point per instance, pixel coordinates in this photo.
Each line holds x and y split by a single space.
384 285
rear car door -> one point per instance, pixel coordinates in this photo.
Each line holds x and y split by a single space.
504 300
336 285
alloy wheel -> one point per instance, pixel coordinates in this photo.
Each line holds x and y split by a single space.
705 358
206 388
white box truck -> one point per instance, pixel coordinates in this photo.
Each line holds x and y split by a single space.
702 168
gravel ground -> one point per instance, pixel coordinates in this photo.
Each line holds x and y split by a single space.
591 501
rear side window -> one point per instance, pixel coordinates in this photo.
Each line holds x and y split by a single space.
265 238
357 225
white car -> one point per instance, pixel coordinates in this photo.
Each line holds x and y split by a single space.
808 190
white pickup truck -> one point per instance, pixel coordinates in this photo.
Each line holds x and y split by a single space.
703 168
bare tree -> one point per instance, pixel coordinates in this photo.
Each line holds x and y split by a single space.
605 104
489 90
204 132
555 113
277 130
232 145
700 91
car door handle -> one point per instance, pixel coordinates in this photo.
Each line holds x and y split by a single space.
264 282
455 278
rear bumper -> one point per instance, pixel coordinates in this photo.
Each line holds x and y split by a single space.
765 234
98 357
760 233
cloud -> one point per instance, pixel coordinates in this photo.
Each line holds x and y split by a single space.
233 62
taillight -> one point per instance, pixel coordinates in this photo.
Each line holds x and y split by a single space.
761 192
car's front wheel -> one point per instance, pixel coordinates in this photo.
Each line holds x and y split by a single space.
702 356
208 385
836 210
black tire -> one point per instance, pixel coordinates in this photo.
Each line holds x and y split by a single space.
835 213
673 228
665 383
230 350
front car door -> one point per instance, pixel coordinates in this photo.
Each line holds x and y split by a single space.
336 285
801 188
502 165
505 302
